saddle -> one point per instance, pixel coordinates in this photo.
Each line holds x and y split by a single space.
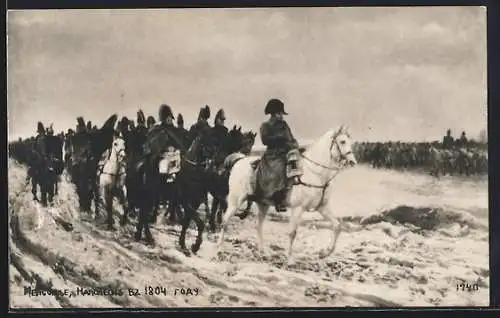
294 171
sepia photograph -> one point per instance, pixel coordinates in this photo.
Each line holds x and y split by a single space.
248 157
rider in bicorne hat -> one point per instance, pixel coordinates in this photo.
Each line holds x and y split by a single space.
277 136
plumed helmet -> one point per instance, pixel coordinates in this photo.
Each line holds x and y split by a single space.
220 115
204 112
89 125
141 120
50 130
123 124
275 106
180 120
81 122
151 120
165 112
40 129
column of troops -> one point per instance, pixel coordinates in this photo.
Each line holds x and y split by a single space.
460 156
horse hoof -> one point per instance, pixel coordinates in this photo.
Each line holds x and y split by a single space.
195 248
324 254
137 237
150 242
185 251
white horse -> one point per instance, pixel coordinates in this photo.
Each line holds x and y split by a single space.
111 179
321 162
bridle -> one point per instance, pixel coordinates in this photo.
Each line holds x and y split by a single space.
120 154
337 168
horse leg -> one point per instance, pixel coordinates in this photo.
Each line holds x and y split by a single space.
147 231
207 207
98 196
50 190
336 228
222 209
213 212
34 188
122 197
294 224
185 225
232 207
108 199
43 190
140 222
260 225
200 226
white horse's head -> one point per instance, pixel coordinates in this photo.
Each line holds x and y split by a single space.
118 147
341 147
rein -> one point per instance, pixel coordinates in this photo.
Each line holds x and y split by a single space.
121 172
337 170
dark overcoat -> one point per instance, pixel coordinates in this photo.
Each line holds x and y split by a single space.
277 136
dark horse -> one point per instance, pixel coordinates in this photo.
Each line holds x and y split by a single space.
188 192
88 148
45 175
45 168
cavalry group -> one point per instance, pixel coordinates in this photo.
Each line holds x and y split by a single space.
147 164
452 157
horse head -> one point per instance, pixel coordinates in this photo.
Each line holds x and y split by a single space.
248 141
202 151
341 146
118 147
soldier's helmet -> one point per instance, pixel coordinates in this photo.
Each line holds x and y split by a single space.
50 130
448 132
40 129
180 120
165 112
275 106
140 118
80 127
204 113
220 115
151 121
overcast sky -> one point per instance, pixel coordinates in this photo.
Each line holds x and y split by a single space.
390 73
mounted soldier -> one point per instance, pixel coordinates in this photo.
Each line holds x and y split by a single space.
277 136
201 126
37 157
141 123
162 135
448 140
54 153
462 142
182 131
219 130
